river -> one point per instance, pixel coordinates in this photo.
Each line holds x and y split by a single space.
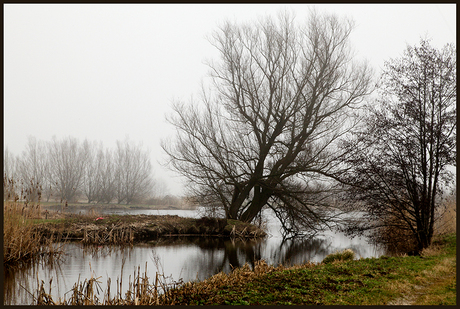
188 259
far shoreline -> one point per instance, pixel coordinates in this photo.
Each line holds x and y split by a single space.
57 206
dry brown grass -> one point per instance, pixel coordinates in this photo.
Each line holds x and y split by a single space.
21 240
446 217
444 268
399 240
432 250
161 290
395 237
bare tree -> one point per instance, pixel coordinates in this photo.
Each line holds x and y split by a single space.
107 184
133 172
93 170
10 162
160 188
67 162
399 161
10 177
33 168
263 136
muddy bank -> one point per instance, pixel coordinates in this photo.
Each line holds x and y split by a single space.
118 229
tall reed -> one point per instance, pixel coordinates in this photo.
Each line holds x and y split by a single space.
446 217
142 290
21 240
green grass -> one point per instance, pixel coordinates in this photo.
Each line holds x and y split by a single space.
52 221
442 292
371 281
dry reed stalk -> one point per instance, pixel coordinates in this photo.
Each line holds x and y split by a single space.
21 240
161 291
446 217
116 235
44 298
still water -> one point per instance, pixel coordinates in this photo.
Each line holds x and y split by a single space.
187 258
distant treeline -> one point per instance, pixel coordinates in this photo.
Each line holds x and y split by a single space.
70 170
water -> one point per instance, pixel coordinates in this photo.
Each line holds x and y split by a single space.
189 258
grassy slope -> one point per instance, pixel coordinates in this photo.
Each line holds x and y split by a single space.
430 279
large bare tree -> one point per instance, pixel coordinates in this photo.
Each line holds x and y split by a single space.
399 161
263 134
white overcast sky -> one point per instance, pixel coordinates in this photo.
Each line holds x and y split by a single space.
110 71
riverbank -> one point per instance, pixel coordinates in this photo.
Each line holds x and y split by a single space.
127 229
429 279
111 206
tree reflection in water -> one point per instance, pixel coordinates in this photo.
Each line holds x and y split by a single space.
17 285
237 252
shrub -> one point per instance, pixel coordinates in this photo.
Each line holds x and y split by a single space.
344 255
395 236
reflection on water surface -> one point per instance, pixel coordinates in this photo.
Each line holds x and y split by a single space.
189 258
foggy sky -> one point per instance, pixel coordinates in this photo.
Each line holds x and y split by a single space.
110 71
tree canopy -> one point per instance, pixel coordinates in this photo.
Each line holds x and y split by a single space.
264 132
399 161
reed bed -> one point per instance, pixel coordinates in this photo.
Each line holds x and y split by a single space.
21 240
245 233
115 235
142 290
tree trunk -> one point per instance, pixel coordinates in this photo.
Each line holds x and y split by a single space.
260 199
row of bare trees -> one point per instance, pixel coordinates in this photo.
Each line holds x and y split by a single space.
69 170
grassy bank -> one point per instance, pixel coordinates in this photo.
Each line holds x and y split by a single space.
429 279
